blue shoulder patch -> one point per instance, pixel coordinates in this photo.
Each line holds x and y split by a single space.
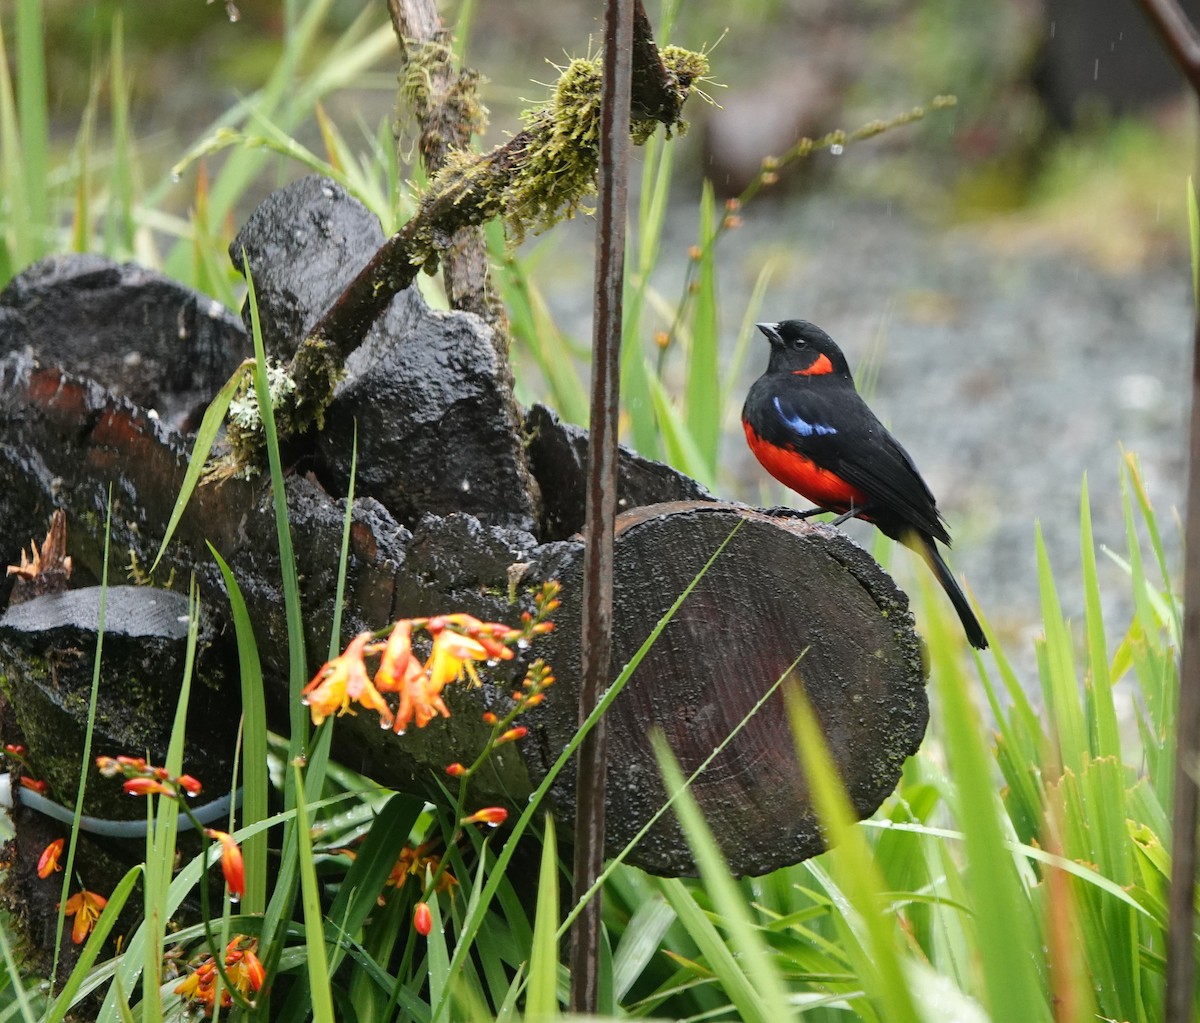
801 426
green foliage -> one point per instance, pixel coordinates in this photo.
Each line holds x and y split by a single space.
1019 872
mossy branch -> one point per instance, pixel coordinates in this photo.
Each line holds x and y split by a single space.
543 174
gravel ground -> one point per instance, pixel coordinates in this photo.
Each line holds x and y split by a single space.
1008 373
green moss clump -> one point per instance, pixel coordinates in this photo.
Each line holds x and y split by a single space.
558 170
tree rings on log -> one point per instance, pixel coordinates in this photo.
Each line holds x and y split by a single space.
783 588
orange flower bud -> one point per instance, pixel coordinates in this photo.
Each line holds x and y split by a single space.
512 735
232 865
423 919
189 784
456 770
34 785
492 816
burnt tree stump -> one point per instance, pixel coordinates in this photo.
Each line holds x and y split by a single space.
423 543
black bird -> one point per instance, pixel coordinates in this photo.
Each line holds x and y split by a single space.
809 428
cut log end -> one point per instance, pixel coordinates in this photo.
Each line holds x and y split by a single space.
782 591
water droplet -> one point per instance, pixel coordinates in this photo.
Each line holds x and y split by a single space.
234 898
523 644
305 700
400 731
493 824
176 176
493 662
837 149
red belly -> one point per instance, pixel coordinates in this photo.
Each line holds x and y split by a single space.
804 476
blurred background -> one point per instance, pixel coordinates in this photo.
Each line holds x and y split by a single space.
1009 276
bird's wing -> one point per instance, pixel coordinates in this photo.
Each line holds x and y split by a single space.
845 437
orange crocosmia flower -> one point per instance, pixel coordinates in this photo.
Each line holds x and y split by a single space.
34 785
397 662
453 655
48 861
484 633
342 680
232 865
242 966
85 907
147 787
418 699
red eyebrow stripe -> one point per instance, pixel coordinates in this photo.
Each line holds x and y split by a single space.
818 368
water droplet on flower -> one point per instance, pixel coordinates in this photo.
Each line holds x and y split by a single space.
400 731
523 644
234 898
837 149
304 700
492 824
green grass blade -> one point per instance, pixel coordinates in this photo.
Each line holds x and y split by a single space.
704 413
210 427
1058 668
1193 216
355 900
746 972
541 999
34 118
720 959
256 781
314 918
1106 739
679 445
16 234
1009 947
86 762
874 953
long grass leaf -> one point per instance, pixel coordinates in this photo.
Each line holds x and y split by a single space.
93 696
317 970
256 781
34 118
541 999
1058 668
210 427
1008 945
703 397
874 955
752 972
1106 740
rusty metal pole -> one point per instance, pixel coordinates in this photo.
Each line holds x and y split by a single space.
601 495
1182 41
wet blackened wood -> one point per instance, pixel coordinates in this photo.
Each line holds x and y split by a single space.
782 589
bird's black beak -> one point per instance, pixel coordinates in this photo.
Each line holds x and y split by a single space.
771 331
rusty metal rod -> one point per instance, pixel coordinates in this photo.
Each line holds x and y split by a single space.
1182 41
601 495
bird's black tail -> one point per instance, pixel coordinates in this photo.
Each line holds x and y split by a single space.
928 548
